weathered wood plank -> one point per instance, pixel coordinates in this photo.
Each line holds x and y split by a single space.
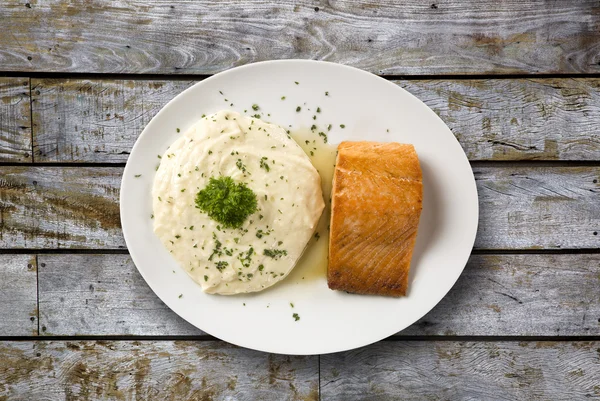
80 120
525 295
391 37
464 371
15 119
101 295
148 370
94 121
497 295
520 208
536 208
18 296
60 208
518 119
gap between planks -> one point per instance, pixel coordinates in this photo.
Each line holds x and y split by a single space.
473 163
394 338
199 77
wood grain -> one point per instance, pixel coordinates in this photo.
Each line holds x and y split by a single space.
464 371
101 295
497 295
149 370
15 119
81 120
520 295
518 119
538 208
60 207
94 121
520 207
18 296
390 37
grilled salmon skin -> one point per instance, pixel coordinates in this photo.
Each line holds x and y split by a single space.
375 208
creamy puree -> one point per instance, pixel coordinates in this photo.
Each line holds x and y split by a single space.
267 246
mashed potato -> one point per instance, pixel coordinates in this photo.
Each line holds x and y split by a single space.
252 154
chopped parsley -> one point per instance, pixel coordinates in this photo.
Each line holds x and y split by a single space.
291 304
282 97
221 264
297 83
217 249
261 233
264 164
275 253
178 130
255 107
296 317
318 109
326 93
261 268
322 134
298 109
246 258
137 175
205 278
226 201
240 165
180 295
342 126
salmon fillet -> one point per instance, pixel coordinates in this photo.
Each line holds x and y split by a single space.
376 204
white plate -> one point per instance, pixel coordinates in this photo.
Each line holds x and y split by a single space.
330 321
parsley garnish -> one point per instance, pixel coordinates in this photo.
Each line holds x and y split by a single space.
221 264
296 317
275 253
264 164
226 201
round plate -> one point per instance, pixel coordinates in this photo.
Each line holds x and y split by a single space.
370 108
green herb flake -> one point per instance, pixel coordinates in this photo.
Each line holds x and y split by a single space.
291 304
265 164
261 268
221 265
210 152
282 97
205 278
318 109
137 175
240 165
178 130
226 201
180 295
298 109
255 107
342 126
275 253
297 83
296 317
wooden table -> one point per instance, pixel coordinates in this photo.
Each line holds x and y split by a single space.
517 82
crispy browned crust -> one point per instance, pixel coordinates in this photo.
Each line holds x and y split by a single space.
376 204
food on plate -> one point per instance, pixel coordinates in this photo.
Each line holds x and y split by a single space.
236 201
376 204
